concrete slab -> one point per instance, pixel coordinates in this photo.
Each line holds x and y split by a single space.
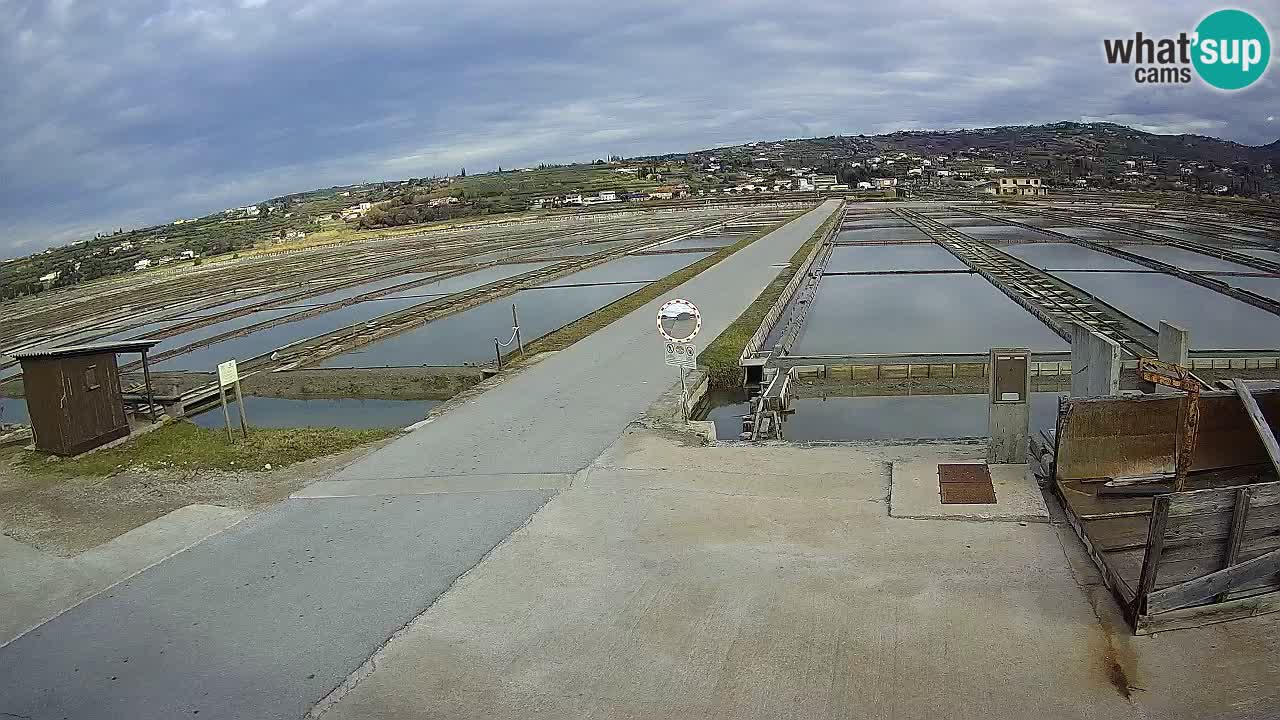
262 620
915 494
35 586
634 596
431 484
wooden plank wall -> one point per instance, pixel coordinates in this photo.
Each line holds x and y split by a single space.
1201 535
1126 436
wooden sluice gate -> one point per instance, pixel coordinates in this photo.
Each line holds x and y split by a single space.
1174 553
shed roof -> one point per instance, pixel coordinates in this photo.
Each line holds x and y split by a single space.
124 346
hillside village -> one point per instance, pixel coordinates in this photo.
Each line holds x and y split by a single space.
1034 160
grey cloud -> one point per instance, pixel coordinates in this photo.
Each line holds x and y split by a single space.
138 111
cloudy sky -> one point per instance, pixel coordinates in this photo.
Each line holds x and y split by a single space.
133 112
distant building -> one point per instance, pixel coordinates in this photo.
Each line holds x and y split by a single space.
187 255
1021 186
51 278
142 264
824 182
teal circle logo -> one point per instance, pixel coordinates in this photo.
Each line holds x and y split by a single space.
1231 49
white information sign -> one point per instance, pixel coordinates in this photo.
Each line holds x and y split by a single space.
681 354
227 373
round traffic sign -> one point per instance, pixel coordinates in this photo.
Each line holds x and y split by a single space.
679 320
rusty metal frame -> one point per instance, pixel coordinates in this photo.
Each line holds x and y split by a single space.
1175 376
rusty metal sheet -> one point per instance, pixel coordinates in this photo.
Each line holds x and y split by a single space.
964 472
967 493
1120 437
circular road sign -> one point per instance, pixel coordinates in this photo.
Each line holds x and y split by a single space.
679 320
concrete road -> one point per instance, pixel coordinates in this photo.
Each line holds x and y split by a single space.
266 619
561 414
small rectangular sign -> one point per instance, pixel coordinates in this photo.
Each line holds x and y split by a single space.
227 373
681 354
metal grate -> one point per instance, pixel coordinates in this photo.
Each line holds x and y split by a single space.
965 484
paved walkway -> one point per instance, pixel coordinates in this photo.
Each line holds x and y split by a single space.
266 619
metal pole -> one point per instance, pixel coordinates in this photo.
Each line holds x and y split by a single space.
515 320
222 395
146 376
497 350
244 423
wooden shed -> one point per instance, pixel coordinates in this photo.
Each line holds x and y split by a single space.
74 397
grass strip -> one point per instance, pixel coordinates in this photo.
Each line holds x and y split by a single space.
720 358
185 446
588 324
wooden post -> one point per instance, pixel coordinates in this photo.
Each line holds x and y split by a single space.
1259 423
1151 559
244 423
1239 516
515 320
226 415
146 376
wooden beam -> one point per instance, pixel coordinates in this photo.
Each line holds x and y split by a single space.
1202 615
1239 516
1178 596
1259 423
1151 558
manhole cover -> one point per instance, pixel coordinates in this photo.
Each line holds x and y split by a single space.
965 484
964 472
964 493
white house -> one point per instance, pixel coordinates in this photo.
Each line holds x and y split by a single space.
864 185
142 264
187 255
1022 186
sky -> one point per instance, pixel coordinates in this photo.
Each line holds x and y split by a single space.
125 113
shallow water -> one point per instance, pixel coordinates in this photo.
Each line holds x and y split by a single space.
917 314
894 417
14 410
1067 256
1215 320
879 258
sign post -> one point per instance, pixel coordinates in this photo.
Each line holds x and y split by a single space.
229 377
678 323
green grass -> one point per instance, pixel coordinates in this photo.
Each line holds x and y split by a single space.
575 331
720 358
185 446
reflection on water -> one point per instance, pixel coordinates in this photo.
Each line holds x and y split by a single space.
919 314
894 417
1185 259
1068 256
467 337
340 412
878 258
1215 320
